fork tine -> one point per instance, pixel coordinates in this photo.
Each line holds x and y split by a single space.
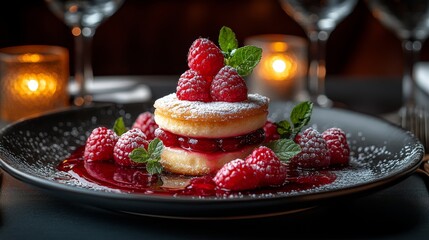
422 123
416 120
425 130
404 118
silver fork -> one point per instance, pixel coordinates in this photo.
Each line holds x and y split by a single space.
416 120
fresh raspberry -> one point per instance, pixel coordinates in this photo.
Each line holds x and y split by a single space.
100 144
129 141
228 86
205 57
268 167
147 124
193 87
338 147
236 175
314 152
270 130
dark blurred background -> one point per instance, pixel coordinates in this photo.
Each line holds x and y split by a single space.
153 36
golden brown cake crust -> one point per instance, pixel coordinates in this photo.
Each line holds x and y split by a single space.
212 119
185 162
211 111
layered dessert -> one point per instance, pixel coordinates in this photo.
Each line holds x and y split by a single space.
200 137
211 119
211 135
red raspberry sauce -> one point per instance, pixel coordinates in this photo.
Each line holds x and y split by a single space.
212 145
137 180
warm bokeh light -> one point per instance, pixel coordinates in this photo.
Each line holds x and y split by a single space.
76 31
30 57
30 85
33 85
33 80
73 8
278 67
279 47
281 73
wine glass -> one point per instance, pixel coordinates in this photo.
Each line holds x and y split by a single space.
409 20
318 18
83 17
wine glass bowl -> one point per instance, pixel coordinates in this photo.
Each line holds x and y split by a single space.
83 17
84 13
409 20
318 15
318 18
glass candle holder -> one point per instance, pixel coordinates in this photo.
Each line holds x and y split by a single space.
33 80
282 71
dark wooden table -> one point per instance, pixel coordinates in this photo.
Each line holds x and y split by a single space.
400 211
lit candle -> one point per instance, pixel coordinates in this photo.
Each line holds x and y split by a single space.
281 72
33 80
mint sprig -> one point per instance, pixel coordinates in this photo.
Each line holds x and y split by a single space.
243 59
119 126
299 117
285 148
151 156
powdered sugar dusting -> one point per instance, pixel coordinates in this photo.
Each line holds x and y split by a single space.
225 110
368 164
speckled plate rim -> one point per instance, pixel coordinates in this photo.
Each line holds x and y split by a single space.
207 208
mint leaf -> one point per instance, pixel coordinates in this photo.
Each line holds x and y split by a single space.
155 148
285 149
151 156
244 59
139 155
301 115
284 129
227 40
119 126
154 167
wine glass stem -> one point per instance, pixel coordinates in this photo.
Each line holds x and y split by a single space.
317 68
411 49
83 68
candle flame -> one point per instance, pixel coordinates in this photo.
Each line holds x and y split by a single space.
34 81
30 85
33 85
278 67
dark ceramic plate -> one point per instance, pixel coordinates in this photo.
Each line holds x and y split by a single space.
30 150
